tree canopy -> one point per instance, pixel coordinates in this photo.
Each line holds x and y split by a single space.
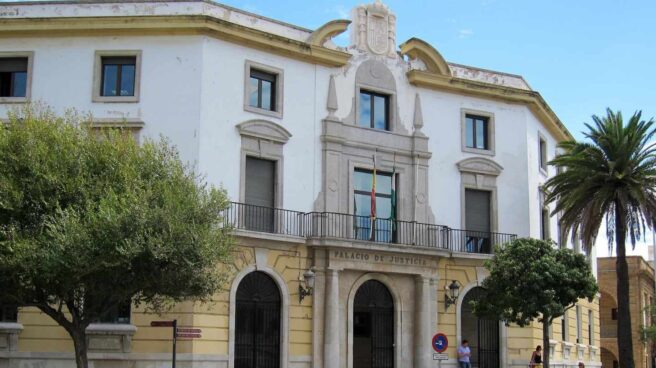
88 215
531 280
611 176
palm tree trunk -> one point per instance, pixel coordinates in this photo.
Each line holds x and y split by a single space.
545 342
624 337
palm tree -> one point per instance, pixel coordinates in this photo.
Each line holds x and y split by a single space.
613 176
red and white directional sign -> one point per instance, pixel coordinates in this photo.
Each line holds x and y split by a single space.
188 335
161 324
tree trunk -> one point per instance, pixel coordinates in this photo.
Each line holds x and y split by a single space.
546 348
80 345
624 336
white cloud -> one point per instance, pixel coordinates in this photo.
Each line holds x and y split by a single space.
465 33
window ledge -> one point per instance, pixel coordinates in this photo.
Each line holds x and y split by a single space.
257 110
9 332
116 99
110 338
478 151
10 100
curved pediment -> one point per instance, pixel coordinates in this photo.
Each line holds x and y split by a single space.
480 165
422 50
264 129
327 31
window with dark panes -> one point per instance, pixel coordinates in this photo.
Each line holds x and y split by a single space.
613 314
477 221
374 110
590 331
117 314
563 327
544 218
13 76
477 132
260 189
262 90
118 75
8 313
383 227
543 154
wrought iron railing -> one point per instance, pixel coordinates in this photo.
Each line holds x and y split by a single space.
353 227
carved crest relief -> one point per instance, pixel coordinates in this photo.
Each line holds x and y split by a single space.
378 33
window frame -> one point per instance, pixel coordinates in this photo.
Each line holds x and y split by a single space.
4 317
564 325
98 75
28 82
373 93
120 66
545 222
394 186
490 130
277 90
543 153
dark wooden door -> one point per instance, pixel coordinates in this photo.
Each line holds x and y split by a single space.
257 322
373 326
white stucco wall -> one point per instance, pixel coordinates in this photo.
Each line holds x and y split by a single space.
192 91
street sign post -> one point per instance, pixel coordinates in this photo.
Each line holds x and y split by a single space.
174 325
440 343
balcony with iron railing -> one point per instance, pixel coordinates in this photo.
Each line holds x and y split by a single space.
352 227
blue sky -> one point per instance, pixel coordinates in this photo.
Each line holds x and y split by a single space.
582 56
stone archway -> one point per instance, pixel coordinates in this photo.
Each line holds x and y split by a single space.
373 326
483 334
608 359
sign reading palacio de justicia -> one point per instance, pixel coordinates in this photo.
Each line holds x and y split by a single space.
379 258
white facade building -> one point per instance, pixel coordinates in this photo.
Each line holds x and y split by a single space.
192 73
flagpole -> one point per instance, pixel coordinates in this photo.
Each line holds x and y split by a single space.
373 202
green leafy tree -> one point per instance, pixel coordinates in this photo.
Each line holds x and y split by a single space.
91 220
611 177
531 280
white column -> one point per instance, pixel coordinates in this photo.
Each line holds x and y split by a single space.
331 356
423 325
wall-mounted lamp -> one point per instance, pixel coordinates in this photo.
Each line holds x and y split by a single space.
452 293
308 280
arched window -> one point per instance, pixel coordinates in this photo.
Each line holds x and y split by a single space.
257 322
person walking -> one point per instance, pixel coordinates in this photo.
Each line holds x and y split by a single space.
536 358
463 355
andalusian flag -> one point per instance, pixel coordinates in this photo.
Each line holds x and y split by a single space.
373 203
393 199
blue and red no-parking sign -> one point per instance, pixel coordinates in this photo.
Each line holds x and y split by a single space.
440 342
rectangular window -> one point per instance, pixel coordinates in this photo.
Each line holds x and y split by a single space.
543 153
259 191
544 218
613 314
590 328
8 313
262 90
477 132
13 76
118 76
563 327
374 110
382 229
118 314
579 326
477 221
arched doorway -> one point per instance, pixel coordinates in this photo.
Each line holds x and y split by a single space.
257 322
482 333
373 326
608 359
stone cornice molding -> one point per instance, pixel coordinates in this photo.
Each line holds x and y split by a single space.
480 165
419 49
327 31
264 129
174 25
